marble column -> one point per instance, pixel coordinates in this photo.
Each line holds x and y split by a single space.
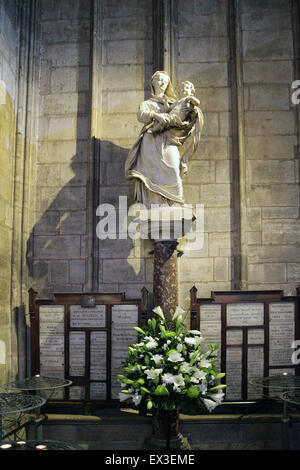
165 281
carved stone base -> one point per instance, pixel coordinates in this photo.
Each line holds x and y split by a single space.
165 433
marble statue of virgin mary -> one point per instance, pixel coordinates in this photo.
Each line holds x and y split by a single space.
154 161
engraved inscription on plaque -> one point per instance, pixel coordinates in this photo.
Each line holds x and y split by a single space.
234 337
256 336
124 318
98 355
245 314
282 332
98 391
77 353
52 345
233 373
76 392
210 327
81 317
255 370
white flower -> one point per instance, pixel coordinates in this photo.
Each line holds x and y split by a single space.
159 312
139 344
136 399
152 373
175 357
199 374
195 332
203 388
198 340
204 363
191 341
165 346
185 367
217 397
151 344
210 404
178 312
167 378
123 396
179 347
178 381
157 358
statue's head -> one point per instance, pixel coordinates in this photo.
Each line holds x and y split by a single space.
161 82
187 88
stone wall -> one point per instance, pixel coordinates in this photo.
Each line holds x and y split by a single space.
272 173
267 220
8 76
59 232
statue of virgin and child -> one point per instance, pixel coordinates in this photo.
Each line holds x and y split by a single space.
155 162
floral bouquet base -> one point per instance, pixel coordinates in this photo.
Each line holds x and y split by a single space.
167 372
165 431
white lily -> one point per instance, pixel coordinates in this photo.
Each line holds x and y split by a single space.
157 358
175 357
159 312
178 312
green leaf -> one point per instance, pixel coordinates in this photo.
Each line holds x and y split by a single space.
144 389
153 324
220 375
149 405
193 392
161 390
217 387
138 329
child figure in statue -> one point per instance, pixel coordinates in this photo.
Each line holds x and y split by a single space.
181 111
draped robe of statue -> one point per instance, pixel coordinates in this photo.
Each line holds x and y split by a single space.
154 161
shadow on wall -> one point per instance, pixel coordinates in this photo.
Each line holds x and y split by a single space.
57 247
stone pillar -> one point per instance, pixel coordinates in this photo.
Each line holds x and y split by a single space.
165 280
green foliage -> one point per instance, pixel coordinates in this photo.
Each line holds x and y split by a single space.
166 369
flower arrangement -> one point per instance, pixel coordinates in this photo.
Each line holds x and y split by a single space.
167 369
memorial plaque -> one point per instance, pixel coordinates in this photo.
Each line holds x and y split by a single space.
234 336
76 393
245 314
82 317
52 345
255 370
282 332
98 391
210 327
77 353
256 336
98 355
124 318
233 373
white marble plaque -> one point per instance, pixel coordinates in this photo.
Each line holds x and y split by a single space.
82 317
282 333
76 392
77 353
233 373
97 391
210 327
210 312
52 341
245 314
255 370
234 336
256 336
98 355
124 318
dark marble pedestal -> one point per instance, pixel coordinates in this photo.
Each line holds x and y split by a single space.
165 280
